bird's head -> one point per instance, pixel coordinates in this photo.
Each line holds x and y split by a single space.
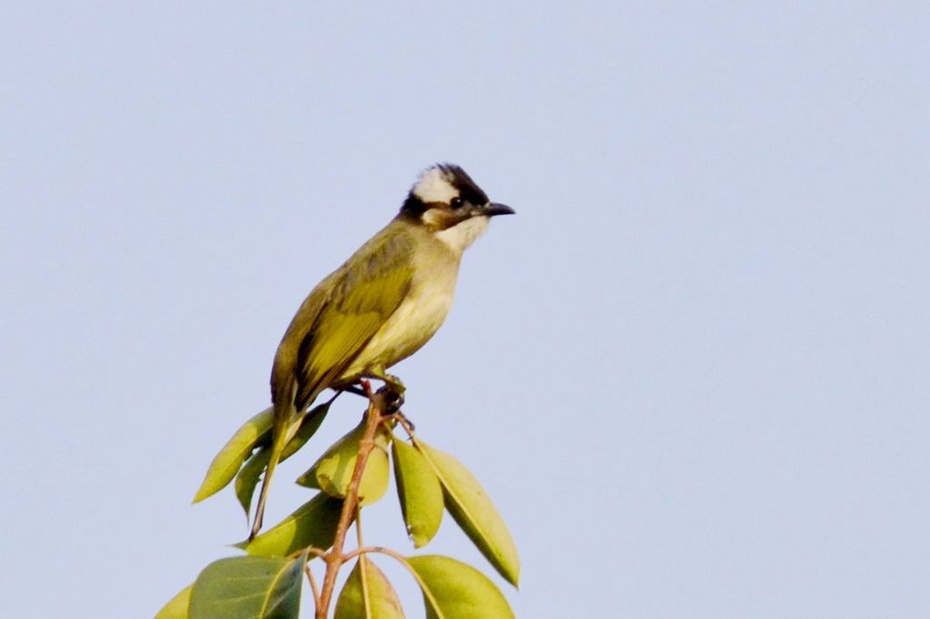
449 203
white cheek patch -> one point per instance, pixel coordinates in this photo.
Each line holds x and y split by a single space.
460 236
433 186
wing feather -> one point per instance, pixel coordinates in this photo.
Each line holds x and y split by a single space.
333 327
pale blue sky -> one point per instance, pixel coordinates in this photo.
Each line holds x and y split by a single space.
693 371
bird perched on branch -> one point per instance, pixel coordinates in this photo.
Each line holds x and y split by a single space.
381 306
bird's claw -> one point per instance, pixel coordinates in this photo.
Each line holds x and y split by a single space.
393 398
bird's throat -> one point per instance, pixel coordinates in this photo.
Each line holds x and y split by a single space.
460 236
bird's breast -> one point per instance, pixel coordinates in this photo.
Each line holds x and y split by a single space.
412 324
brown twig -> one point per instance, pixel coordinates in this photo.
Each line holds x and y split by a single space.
335 557
313 587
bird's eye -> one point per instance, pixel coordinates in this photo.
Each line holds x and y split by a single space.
456 202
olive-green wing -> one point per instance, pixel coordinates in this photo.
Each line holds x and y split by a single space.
333 325
363 294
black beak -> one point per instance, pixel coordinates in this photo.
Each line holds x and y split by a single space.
493 208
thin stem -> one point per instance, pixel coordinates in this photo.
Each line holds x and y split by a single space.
360 551
313 587
358 526
335 557
384 551
428 596
316 552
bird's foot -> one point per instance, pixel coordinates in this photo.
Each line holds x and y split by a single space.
394 383
393 398
405 422
391 412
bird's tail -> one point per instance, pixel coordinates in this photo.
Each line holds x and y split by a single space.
281 435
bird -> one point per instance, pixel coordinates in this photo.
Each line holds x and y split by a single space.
381 306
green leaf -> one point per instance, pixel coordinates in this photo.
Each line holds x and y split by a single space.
455 590
332 473
251 472
474 512
367 594
249 476
178 607
419 491
249 588
312 525
223 469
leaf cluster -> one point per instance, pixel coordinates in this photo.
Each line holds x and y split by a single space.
352 473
